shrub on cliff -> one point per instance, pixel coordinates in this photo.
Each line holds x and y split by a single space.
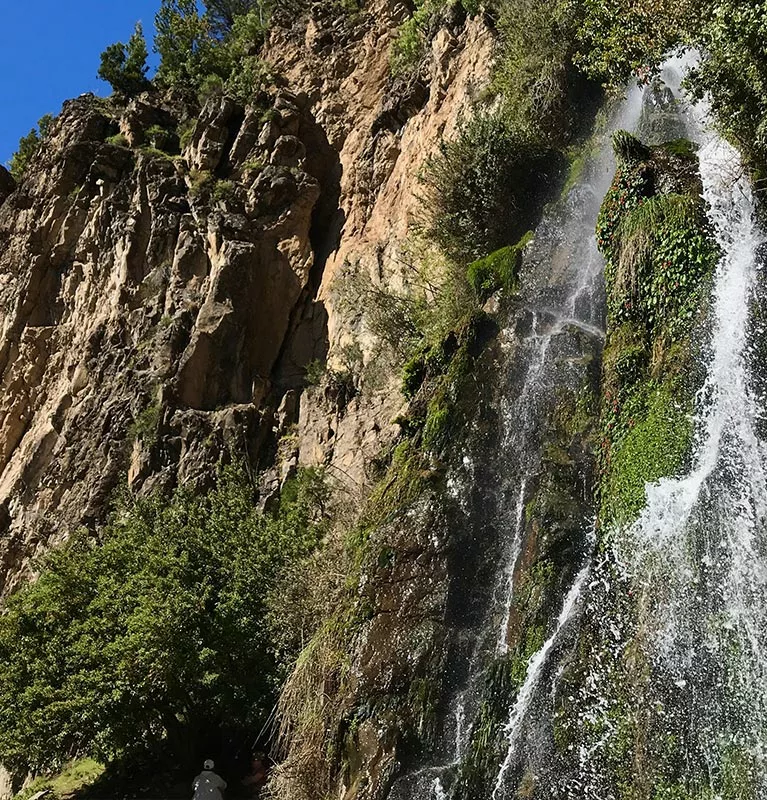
124 66
481 187
155 634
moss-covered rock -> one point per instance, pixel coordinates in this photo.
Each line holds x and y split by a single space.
660 255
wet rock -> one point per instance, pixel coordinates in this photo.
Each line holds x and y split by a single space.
7 184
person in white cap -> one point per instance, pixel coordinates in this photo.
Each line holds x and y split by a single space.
207 785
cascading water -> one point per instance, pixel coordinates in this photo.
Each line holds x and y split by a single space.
699 549
553 336
693 567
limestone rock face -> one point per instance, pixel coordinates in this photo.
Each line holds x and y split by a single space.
159 311
126 298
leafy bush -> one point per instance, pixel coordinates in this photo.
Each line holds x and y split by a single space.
481 187
186 132
733 72
409 46
118 140
223 191
124 67
213 53
156 633
202 182
542 93
619 38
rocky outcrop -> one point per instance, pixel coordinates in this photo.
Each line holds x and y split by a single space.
145 307
160 310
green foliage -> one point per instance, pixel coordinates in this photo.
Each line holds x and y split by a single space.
156 632
314 372
29 146
74 778
480 187
186 132
413 35
660 254
618 38
201 182
409 46
413 374
223 191
118 140
187 48
533 75
659 249
216 52
628 148
124 67
657 442
499 270
146 424
224 14
734 71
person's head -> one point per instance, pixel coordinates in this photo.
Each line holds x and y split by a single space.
208 764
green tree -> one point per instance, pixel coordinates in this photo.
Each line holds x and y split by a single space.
733 72
189 52
157 634
124 67
224 13
621 38
29 146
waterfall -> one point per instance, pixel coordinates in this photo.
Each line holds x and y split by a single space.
699 549
561 305
534 669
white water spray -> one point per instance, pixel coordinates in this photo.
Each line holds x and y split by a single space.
532 679
698 552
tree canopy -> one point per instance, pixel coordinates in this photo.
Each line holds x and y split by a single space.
155 633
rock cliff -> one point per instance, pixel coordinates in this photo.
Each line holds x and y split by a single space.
160 305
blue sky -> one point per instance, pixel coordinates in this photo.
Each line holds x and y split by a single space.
49 52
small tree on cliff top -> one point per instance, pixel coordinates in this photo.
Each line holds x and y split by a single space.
124 66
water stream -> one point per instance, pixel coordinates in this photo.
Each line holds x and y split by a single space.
562 301
695 562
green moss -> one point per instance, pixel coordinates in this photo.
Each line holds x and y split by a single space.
75 777
628 148
682 147
413 374
656 445
498 271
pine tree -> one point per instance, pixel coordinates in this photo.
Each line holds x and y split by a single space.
124 66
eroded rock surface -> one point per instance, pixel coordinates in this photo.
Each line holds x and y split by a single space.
157 311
